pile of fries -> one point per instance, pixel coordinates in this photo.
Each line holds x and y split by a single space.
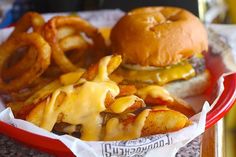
47 78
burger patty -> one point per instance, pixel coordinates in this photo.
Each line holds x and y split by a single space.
198 64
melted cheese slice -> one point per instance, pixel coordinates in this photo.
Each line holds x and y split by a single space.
155 92
183 70
117 130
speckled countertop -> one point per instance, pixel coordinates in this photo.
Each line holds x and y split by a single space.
11 148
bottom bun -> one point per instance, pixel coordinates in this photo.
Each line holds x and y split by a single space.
186 88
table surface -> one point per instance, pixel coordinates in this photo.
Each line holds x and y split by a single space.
11 148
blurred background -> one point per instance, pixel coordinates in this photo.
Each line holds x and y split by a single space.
209 11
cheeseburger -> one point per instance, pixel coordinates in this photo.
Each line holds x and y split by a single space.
163 46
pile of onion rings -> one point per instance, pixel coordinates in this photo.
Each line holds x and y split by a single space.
76 32
38 52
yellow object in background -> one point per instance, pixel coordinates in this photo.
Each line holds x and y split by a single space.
105 31
230 131
231 10
231 118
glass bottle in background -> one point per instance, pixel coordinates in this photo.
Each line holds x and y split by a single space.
202 8
230 125
217 11
212 11
231 10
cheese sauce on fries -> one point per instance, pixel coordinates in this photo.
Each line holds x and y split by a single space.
82 104
115 129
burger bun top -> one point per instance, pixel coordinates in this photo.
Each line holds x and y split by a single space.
158 36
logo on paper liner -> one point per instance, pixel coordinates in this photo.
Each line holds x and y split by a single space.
135 148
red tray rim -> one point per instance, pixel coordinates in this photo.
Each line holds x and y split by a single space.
56 147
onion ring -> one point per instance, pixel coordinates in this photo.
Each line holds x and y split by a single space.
50 32
75 48
42 62
22 65
28 20
73 45
64 32
73 42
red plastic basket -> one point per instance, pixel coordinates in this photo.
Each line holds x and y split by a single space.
53 146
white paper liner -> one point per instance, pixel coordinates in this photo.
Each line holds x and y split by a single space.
161 145
151 146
